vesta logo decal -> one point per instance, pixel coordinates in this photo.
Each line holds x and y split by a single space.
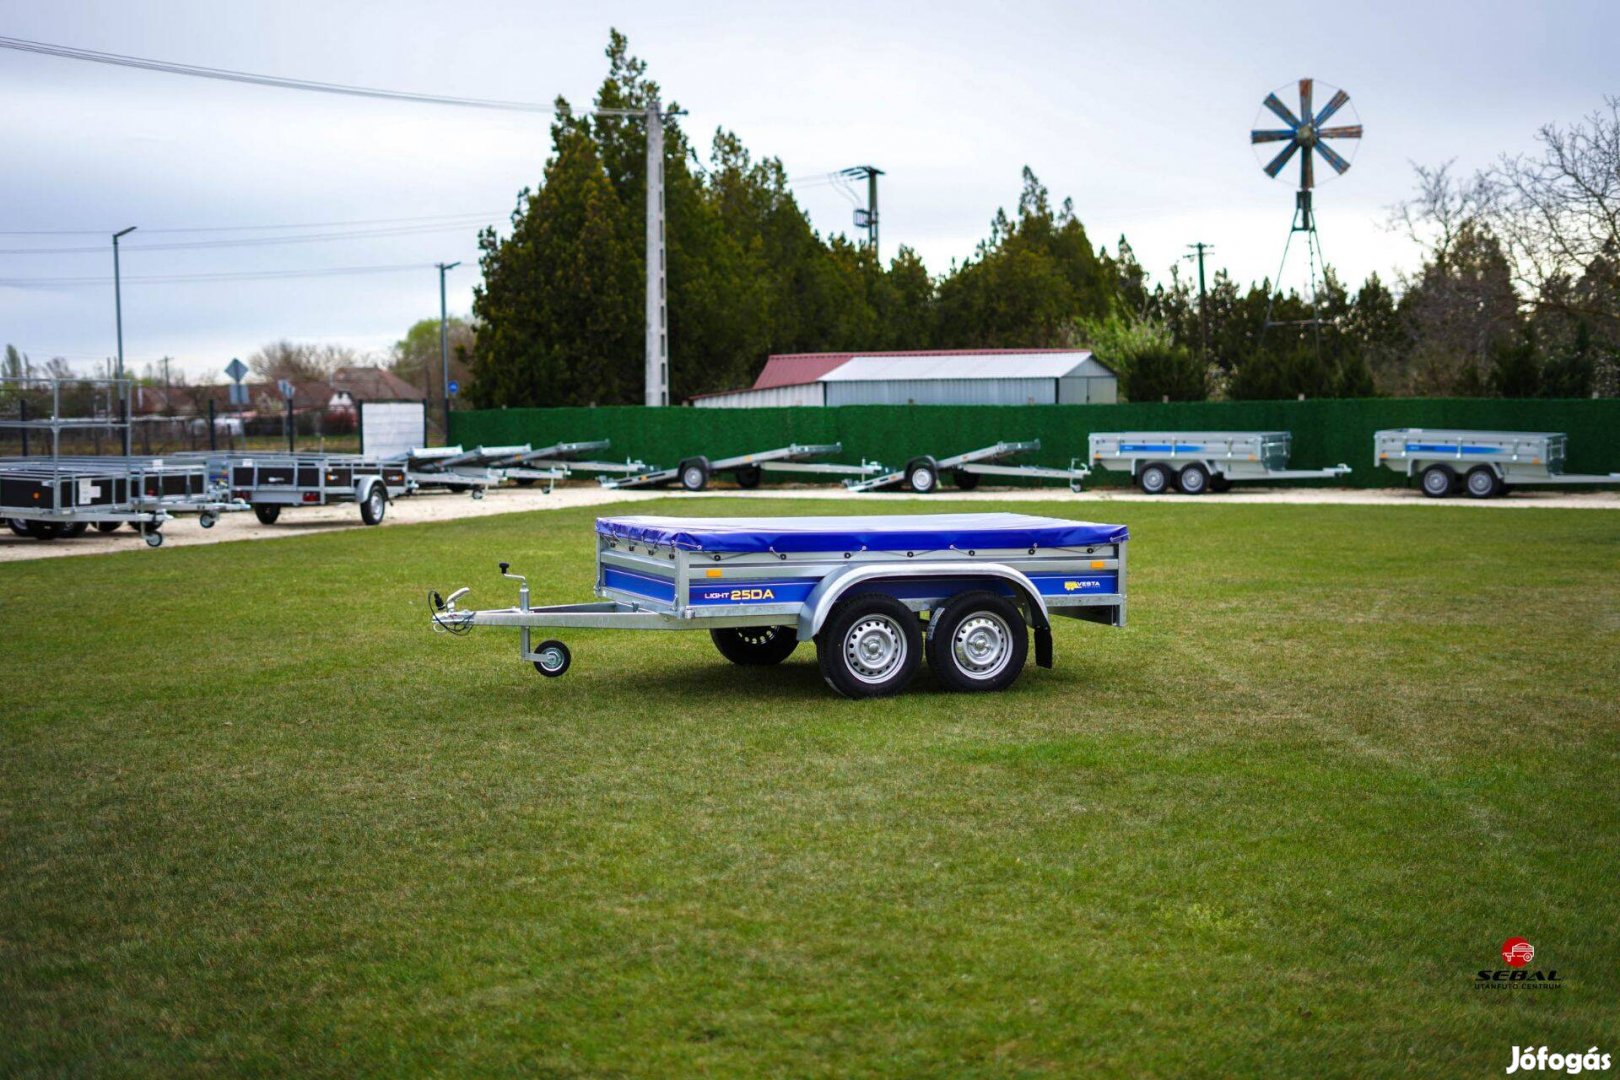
1083 583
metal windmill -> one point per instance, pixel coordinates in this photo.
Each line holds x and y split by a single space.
1306 134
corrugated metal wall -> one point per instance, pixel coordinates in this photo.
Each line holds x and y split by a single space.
944 392
1326 431
770 398
1088 390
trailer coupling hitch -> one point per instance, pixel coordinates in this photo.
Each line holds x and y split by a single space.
446 619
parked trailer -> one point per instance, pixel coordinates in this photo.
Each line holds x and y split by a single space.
48 500
1485 464
1198 461
272 482
560 460
875 594
922 474
448 468
747 469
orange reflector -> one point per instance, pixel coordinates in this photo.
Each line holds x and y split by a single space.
711 573
1097 564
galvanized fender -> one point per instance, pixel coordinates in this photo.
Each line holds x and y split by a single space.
363 486
819 604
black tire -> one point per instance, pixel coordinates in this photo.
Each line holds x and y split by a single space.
208 519
20 527
978 642
267 513
1193 479
107 526
554 659
1482 483
45 530
1219 484
1438 481
922 475
755 646
694 474
1154 479
75 529
374 505
523 481
965 481
154 539
749 477
870 646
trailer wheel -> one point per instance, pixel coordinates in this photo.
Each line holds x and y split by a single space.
374 505
1193 479
870 646
965 481
1155 479
1483 483
1438 481
45 530
694 474
107 526
749 476
20 527
208 519
523 481
922 475
554 659
978 642
1219 484
755 646
477 493
75 529
266 513
154 539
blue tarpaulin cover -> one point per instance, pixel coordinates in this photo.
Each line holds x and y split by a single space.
900 532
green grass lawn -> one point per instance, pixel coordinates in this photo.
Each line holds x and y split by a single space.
255 817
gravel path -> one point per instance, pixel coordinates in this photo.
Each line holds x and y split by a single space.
424 508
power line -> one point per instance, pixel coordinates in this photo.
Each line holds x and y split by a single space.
245 275
257 241
67 52
261 228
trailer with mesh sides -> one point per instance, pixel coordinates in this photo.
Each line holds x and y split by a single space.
876 595
1485 464
1194 462
50 500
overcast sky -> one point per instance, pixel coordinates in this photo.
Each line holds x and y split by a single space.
1140 113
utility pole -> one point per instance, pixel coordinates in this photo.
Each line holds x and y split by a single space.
118 318
1203 315
444 344
657 359
867 219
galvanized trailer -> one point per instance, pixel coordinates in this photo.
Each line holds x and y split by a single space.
1198 461
1485 464
448 468
557 462
747 469
922 474
271 483
48 500
875 594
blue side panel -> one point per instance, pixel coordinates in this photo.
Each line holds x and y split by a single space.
725 593
654 588
1155 448
1081 584
1442 448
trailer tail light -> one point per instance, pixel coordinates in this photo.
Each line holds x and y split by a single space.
311 496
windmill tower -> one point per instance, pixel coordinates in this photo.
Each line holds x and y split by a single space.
1306 134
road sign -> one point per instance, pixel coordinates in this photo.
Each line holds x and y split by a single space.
455 387
239 393
286 388
236 370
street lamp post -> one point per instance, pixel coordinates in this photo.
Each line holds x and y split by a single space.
444 345
118 318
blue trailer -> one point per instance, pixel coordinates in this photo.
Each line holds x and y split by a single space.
876 595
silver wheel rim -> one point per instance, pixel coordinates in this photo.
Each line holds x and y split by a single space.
982 645
376 504
1192 480
1480 484
694 478
551 659
922 480
1436 482
1153 480
874 649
